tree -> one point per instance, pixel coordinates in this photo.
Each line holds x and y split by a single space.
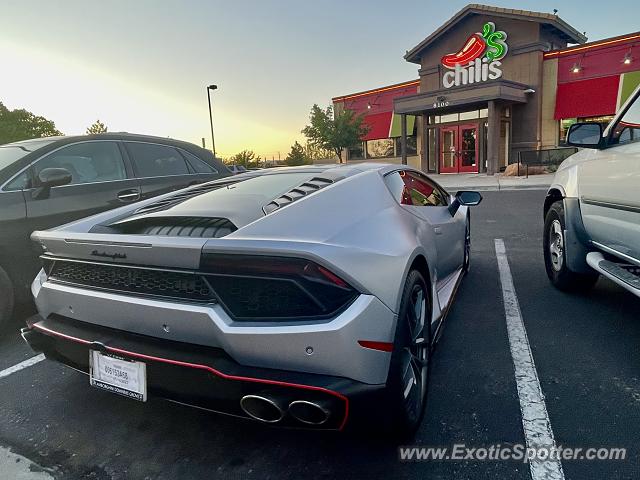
314 152
247 158
296 156
19 124
334 131
97 127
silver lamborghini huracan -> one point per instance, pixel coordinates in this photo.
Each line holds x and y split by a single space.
302 297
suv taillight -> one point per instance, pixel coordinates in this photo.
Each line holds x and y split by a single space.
266 288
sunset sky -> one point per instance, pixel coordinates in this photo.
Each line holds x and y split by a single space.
142 66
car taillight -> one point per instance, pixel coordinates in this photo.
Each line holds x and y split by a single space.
265 288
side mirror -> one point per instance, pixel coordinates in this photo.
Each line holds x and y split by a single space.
466 198
585 135
51 177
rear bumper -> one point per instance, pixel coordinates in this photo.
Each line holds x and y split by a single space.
336 351
202 377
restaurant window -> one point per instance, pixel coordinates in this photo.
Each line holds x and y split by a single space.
455 117
604 120
412 146
450 117
485 137
472 115
382 148
431 142
356 152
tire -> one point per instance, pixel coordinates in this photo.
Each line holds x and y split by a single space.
410 360
6 299
555 255
466 263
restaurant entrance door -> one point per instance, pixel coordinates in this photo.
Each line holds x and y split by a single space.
459 148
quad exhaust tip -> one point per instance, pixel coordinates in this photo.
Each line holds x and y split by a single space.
262 408
311 413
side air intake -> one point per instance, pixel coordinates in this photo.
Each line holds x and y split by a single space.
313 185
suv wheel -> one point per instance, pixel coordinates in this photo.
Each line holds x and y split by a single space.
555 257
6 298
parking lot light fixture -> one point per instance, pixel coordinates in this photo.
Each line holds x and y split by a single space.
213 141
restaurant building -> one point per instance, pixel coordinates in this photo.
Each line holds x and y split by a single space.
494 83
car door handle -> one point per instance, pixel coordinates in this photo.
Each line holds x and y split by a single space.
129 195
437 230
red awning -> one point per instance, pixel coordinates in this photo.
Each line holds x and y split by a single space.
587 98
379 124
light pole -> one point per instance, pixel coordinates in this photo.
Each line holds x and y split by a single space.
213 141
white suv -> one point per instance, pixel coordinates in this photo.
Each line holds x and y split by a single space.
592 209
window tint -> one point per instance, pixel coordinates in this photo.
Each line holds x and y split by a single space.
199 166
411 188
19 182
628 128
156 160
87 162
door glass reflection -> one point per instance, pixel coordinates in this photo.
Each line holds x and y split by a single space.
448 149
468 146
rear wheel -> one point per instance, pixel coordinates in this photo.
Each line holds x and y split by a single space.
407 383
6 298
555 256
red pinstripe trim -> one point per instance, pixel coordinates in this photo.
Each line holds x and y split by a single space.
207 368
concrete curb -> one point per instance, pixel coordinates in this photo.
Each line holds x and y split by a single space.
496 188
17 467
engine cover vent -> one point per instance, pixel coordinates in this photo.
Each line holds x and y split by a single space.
296 193
198 227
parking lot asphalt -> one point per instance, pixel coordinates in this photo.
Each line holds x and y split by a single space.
585 349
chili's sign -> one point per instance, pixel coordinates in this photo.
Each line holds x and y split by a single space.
478 60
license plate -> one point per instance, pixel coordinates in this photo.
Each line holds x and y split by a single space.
118 375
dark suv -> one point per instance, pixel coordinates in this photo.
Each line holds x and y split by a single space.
47 182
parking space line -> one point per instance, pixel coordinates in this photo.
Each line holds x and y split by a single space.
535 419
22 365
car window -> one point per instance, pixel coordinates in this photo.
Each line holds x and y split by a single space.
199 166
19 182
411 188
152 160
11 153
628 128
88 162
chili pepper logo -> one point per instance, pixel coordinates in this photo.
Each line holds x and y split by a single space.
490 43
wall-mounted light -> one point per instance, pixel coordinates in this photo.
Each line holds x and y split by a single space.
628 58
576 68
371 105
